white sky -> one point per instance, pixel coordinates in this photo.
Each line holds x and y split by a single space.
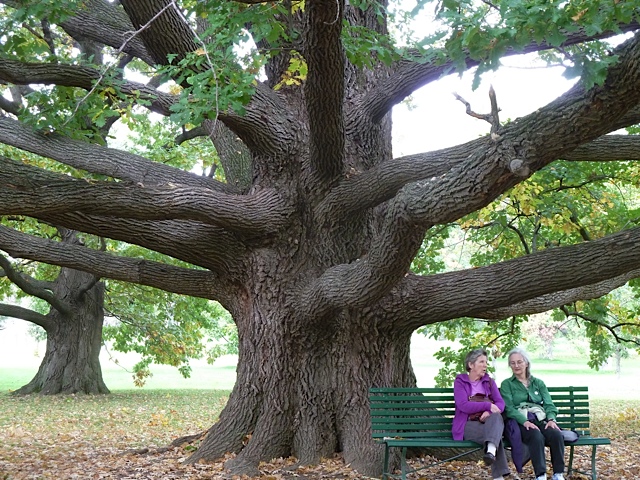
437 120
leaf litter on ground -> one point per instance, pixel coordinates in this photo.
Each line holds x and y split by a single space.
128 435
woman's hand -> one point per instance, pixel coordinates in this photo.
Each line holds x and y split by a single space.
529 425
495 408
484 416
552 424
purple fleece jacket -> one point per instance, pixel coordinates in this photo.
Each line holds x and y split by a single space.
464 408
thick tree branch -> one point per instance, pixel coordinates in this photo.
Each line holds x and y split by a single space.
382 182
22 73
9 106
557 299
25 190
528 144
234 155
607 148
197 283
422 300
31 286
100 160
409 76
21 313
106 23
102 22
324 88
162 28
358 284
265 127
203 245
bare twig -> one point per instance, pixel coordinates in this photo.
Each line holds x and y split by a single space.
493 117
511 330
610 328
490 5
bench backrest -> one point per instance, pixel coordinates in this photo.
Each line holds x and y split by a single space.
573 408
428 412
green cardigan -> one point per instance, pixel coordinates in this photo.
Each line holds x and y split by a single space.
514 393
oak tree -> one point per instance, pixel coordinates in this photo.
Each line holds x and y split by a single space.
307 231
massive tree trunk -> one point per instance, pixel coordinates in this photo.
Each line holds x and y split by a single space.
302 389
311 251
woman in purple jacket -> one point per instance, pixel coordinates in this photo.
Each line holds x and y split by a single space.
480 421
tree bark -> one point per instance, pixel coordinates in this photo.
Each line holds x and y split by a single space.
302 389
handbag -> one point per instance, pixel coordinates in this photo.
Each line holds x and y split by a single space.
478 397
570 436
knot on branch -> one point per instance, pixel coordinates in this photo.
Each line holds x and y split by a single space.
519 168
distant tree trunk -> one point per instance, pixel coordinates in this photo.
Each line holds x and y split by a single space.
71 363
618 357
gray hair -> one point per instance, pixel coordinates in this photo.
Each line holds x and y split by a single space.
472 356
525 357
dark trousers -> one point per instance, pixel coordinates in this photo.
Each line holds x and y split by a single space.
536 440
490 431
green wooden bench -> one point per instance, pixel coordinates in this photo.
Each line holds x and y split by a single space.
407 418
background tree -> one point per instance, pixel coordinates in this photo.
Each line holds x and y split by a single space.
69 308
308 239
73 325
562 204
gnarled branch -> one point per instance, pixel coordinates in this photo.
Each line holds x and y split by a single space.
197 283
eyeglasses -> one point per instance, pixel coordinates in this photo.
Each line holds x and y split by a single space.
518 363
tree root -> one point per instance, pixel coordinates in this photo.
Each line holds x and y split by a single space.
188 439
242 466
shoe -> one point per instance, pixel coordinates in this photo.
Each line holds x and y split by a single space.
542 477
488 458
557 476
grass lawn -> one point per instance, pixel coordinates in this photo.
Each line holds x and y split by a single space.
122 436
18 364
92 436
207 377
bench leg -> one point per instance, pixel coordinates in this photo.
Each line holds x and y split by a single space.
570 469
593 463
403 463
385 468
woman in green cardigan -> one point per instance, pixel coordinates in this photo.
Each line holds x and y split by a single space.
537 425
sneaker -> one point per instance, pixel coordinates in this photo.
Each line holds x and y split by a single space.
542 477
488 458
557 476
